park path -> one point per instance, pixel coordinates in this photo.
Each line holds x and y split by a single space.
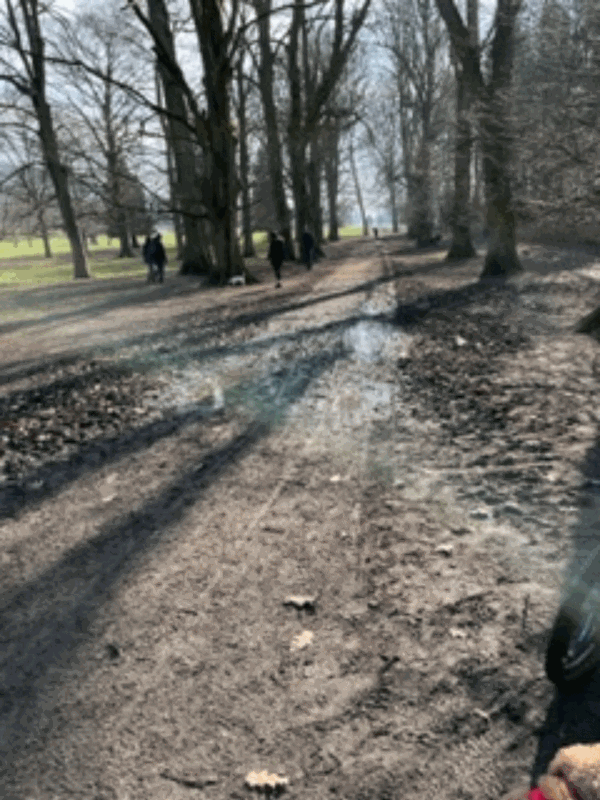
149 653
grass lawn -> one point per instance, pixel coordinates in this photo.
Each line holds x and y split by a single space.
23 264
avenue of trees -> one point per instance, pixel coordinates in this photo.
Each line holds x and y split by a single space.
229 116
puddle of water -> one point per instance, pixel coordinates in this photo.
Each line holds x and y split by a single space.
374 341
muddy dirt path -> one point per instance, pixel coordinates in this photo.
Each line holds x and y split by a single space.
310 446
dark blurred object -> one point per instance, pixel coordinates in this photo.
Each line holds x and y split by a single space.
574 649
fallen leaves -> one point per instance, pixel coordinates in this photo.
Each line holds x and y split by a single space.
79 403
301 641
266 781
301 601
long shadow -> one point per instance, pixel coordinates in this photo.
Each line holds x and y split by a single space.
137 296
410 314
564 258
45 620
56 474
52 476
574 718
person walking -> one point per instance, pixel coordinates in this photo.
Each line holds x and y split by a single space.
275 256
159 257
147 255
308 249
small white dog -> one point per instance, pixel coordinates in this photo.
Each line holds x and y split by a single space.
237 280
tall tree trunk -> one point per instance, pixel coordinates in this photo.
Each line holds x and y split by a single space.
422 200
44 232
60 181
171 175
220 152
195 255
359 199
314 211
501 258
282 211
495 126
249 249
393 204
296 133
30 47
462 246
332 178
125 250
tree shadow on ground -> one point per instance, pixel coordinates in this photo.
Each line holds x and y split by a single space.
56 473
574 718
410 314
45 621
540 259
139 294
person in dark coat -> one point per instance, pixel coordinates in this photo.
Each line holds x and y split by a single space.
148 256
159 257
308 249
276 253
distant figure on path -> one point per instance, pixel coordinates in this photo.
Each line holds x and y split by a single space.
308 249
159 257
147 256
275 256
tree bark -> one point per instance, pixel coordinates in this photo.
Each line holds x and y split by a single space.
501 258
171 175
61 186
495 123
393 204
34 86
125 250
314 211
249 249
359 199
462 246
282 211
221 186
332 177
296 132
44 233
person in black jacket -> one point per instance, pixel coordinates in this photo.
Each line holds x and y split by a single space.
275 256
308 249
147 256
159 257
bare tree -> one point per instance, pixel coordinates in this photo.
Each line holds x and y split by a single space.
493 96
181 113
385 145
209 129
242 115
416 43
27 182
21 35
104 118
462 246
310 89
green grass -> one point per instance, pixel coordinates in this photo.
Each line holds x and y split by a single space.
59 245
350 230
24 264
